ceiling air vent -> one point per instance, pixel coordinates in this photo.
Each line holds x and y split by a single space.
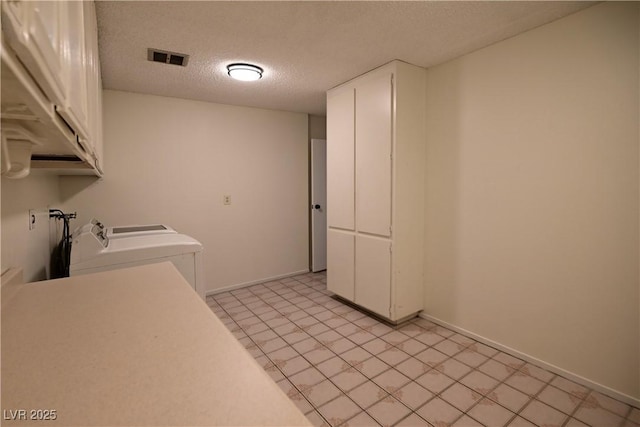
166 57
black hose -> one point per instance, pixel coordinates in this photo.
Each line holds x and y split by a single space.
61 256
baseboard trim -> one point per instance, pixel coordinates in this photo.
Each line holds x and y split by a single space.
253 282
548 366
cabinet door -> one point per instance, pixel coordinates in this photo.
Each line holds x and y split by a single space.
75 106
373 155
15 12
373 274
340 159
94 81
47 21
340 263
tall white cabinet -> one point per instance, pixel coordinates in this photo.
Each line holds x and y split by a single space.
375 190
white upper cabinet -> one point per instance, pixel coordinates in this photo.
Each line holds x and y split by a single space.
373 154
375 173
341 156
359 125
74 106
94 82
51 86
38 31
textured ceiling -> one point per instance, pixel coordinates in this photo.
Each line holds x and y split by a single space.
305 47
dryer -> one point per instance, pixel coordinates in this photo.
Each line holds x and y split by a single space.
92 250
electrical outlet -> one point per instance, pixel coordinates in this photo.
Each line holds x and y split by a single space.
226 199
32 219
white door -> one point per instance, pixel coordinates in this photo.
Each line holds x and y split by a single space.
318 205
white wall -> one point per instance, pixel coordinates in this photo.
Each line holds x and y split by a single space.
532 194
170 160
21 247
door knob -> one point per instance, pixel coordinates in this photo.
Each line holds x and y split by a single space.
316 206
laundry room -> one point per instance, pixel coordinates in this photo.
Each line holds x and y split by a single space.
484 270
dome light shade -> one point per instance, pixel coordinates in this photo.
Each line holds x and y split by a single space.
244 72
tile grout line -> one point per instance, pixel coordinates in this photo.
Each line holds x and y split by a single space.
345 393
310 290
314 407
533 397
342 392
457 381
286 377
412 411
575 410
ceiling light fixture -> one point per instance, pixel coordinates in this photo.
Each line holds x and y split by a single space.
244 72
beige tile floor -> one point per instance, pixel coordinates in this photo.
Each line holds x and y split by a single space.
343 367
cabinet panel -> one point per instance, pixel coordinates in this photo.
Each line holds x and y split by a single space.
340 262
51 81
340 155
373 274
94 82
15 11
46 23
373 155
75 106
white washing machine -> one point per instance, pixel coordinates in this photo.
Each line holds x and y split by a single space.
93 251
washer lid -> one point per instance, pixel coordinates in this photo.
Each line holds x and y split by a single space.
172 242
132 249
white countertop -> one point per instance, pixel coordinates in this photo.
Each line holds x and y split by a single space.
129 347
